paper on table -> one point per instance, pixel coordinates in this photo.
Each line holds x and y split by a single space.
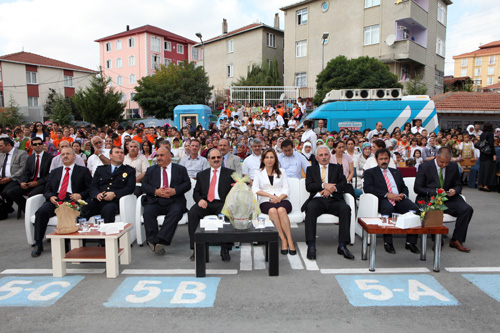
373 220
269 224
112 228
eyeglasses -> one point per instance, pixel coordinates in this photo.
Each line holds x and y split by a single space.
215 157
39 125
37 144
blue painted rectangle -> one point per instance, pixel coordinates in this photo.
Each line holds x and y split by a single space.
35 290
489 283
395 290
165 292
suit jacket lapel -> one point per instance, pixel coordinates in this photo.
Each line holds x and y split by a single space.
435 173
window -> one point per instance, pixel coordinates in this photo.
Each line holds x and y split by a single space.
490 81
131 61
155 44
108 46
301 79
230 48
1 99
0 75
32 101
167 46
301 48
109 64
155 61
131 42
478 61
167 61
119 63
119 80
405 72
195 53
68 81
372 34
271 40
464 62
439 79
110 83
442 12
31 78
180 48
179 62
131 79
440 47
371 3
491 60
230 71
302 16
463 72
477 82
132 95
491 70
118 44
477 71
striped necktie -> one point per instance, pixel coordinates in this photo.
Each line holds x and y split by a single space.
389 186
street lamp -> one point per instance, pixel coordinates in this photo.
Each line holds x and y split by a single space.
324 38
198 34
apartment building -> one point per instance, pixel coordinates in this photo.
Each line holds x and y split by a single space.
132 54
408 35
482 65
27 77
230 55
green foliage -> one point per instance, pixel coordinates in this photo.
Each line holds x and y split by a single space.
98 103
172 85
362 72
264 75
10 116
49 103
415 86
62 110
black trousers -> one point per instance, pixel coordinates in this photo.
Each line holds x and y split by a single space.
463 212
196 213
318 206
16 193
4 190
173 214
401 207
107 209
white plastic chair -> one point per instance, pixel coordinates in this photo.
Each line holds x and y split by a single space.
295 216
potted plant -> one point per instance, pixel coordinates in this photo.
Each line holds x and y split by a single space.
431 213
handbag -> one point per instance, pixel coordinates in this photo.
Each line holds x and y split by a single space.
483 147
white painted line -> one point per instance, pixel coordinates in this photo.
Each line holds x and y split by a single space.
377 270
473 269
246 257
49 271
176 271
259 259
295 262
310 264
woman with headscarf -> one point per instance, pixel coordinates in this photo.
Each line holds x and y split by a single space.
308 153
366 149
330 141
277 148
319 142
242 151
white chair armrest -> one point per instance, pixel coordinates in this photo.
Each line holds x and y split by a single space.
127 211
32 205
139 227
349 200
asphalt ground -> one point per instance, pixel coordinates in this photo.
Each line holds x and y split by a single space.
250 300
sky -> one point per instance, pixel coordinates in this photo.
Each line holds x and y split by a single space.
66 29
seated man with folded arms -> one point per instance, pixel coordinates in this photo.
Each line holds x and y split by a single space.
164 185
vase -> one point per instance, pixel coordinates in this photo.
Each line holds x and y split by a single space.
66 220
433 218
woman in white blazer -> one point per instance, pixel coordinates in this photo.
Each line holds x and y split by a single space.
270 184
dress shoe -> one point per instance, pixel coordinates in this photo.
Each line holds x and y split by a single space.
37 250
457 245
151 246
412 247
284 252
224 254
389 248
345 252
292 252
311 252
192 257
159 250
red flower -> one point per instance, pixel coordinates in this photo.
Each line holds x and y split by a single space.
72 204
440 191
60 202
432 198
421 202
429 204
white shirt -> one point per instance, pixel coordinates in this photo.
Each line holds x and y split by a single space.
293 165
216 196
40 163
169 175
312 137
438 169
416 130
372 133
272 124
7 166
280 120
94 161
394 186
69 189
292 123
250 165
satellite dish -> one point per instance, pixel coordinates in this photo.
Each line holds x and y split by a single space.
390 40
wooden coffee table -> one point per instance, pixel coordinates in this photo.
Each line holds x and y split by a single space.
373 230
78 253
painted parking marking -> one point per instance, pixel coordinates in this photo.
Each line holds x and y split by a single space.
165 292
489 283
35 291
394 290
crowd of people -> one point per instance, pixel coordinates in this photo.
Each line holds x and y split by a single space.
101 165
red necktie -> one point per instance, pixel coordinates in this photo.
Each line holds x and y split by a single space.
64 186
165 178
37 167
389 187
211 190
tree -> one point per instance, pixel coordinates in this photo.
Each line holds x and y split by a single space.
10 116
172 85
98 103
359 73
49 103
415 86
265 75
62 110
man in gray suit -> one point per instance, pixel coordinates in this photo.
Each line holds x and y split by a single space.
12 163
229 160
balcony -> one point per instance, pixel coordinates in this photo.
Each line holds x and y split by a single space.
413 9
409 29
409 50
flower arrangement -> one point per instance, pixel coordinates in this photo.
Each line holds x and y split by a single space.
436 203
72 204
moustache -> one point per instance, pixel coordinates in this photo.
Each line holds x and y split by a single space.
324 160
385 164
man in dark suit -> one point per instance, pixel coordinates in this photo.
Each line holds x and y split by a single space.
12 163
109 184
442 173
34 178
164 185
210 192
325 183
78 179
388 186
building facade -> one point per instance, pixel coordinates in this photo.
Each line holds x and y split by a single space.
408 35
230 55
481 65
27 78
128 56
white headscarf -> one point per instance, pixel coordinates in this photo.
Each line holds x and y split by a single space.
307 155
